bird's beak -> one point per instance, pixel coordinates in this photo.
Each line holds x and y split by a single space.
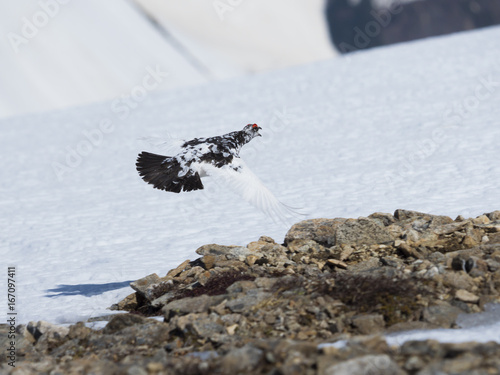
259 128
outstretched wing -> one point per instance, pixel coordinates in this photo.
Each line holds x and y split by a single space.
243 181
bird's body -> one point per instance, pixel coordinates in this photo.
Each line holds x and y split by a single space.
213 156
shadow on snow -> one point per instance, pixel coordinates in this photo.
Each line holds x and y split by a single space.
87 290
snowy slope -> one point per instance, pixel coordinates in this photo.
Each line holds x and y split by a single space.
59 54
412 126
254 35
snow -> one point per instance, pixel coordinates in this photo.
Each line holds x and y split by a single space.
61 53
411 126
253 35
58 53
480 327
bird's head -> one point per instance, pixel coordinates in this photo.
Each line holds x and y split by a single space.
252 130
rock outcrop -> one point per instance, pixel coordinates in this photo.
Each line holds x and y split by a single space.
267 307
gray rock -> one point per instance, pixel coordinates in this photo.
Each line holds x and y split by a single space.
443 315
230 252
247 301
141 286
191 305
38 329
305 246
368 324
383 218
245 359
493 216
401 215
121 321
368 364
207 329
362 231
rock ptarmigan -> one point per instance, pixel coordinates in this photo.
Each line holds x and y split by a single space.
217 157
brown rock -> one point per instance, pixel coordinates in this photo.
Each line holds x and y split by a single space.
129 303
141 286
251 259
458 280
465 296
368 324
493 216
177 271
319 230
407 250
208 261
337 263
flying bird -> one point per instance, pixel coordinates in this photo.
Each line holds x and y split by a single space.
217 157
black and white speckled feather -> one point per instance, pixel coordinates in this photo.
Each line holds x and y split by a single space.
213 156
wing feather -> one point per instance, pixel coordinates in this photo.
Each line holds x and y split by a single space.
237 176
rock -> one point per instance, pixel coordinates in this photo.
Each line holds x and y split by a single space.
493 216
179 269
368 324
365 266
362 231
266 239
209 261
320 230
242 286
49 330
191 305
121 321
402 215
79 331
443 315
337 263
305 246
425 348
230 252
244 303
251 259
143 286
410 326
465 296
334 279
129 303
463 263
368 364
383 218
458 280
243 360
407 250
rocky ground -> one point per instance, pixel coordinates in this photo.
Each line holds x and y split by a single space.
265 308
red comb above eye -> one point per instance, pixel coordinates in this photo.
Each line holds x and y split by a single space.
254 126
